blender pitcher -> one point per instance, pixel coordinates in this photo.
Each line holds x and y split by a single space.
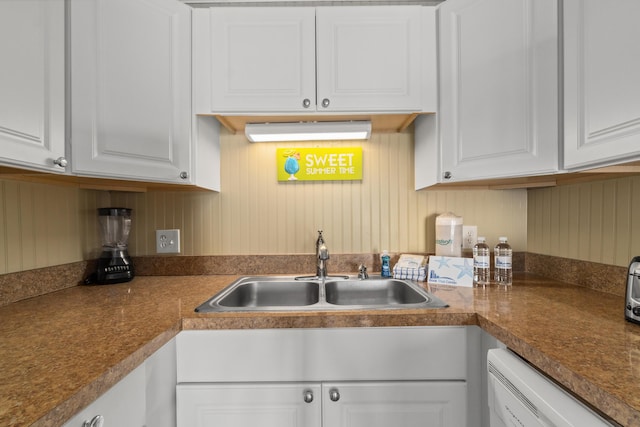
114 264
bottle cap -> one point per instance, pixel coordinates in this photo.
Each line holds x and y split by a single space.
502 239
385 252
481 239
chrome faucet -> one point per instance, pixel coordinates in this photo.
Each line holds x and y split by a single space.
362 272
322 255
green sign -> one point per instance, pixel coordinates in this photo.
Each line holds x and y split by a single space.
319 164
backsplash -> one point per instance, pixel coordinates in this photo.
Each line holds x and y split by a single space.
255 214
47 225
591 221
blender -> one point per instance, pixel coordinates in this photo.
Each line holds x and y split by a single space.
114 264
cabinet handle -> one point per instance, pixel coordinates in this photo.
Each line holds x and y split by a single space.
334 395
308 396
97 421
306 103
447 175
184 175
60 161
325 102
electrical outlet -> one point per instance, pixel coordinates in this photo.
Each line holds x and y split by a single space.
168 241
469 236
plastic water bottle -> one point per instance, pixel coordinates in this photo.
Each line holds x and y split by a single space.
503 262
386 269
481 263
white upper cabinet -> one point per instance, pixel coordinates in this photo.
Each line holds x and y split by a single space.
303 59
369 58
263 59
601 90
498 114
32 83
131 89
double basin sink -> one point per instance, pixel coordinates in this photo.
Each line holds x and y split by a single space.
271 293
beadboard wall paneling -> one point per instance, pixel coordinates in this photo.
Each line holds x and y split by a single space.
89 228
255 214
40 225
589 221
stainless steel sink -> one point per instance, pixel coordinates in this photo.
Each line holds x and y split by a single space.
278 293
373 292
261 293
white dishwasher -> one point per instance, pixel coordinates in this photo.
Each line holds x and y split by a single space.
519 396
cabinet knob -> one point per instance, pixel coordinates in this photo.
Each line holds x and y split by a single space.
334 395
60 161
447 175
184 175
97 421
308 396
325 102
306 103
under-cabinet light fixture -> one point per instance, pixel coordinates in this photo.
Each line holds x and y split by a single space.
307 131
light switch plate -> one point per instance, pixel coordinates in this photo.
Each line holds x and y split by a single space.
469 236
168 241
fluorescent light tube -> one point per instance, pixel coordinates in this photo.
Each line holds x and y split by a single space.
307 131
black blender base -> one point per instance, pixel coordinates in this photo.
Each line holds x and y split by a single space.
111 278
108 278
111 270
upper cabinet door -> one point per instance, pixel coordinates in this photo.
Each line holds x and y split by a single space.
32 76
499 88
601 90
131 89
369 58
263 59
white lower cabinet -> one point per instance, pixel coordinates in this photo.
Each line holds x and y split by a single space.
339 404
144 398
122 405
249 405
406 377
400 404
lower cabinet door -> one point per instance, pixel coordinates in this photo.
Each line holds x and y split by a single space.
397 404
123 405
249 405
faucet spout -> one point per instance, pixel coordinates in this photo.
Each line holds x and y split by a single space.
322 255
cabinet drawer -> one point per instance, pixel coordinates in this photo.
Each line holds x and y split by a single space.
409 353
